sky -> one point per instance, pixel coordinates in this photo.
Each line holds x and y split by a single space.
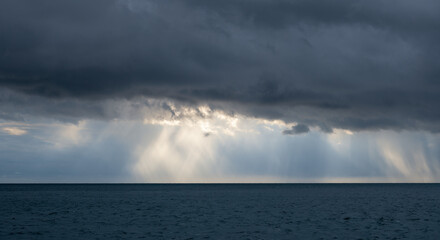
182 91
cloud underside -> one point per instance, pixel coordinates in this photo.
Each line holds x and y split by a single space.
357 65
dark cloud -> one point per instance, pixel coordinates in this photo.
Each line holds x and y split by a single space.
297 129
357 65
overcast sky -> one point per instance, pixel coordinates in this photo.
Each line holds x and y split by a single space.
219 91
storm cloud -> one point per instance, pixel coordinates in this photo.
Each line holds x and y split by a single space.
357 65
297 129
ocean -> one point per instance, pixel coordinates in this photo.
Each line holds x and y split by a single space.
219 211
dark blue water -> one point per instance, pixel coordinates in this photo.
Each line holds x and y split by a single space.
221 211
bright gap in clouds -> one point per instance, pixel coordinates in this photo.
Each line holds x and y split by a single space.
14 131
205 145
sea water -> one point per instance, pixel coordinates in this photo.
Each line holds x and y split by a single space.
220 211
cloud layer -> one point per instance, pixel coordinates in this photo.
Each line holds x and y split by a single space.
358 65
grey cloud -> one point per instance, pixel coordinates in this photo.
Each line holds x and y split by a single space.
297 129
359 65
